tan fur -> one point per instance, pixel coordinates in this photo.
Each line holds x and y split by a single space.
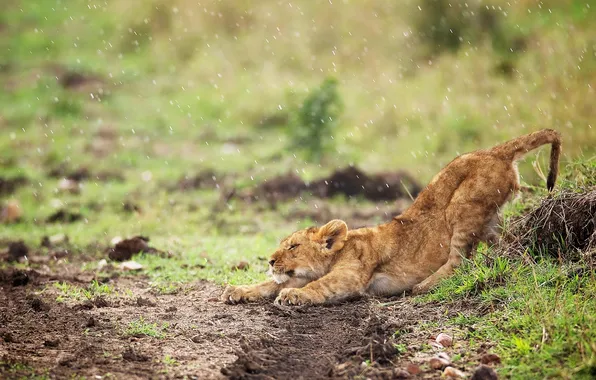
458 209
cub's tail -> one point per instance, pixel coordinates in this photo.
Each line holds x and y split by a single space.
515 149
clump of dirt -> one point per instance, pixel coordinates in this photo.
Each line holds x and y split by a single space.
64 216
350 181
126 248
141 302
76 80
132 355
17 250
37 304
562 226
17 277
10 185
377 187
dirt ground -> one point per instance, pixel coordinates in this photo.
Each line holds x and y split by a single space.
206 339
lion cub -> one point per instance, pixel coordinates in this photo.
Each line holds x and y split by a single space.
412 252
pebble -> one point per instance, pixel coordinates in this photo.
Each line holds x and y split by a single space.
413 369
130 266
453 373
444 340
438 363
400 373
490 358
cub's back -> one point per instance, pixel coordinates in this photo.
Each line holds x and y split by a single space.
480 171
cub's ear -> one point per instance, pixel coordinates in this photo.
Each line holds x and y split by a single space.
333 235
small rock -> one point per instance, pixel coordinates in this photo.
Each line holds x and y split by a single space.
102 264
484 372
197 338
115 240
242 265
69 185
490 359
438 363
53 240
213 299
444 340
454 373
11 212
413 369
400 373
130 266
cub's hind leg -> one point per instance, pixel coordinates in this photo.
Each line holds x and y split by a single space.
461 245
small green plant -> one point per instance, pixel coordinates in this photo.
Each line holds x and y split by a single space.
400 348
170 361
75 293
166 288
318 118
140 327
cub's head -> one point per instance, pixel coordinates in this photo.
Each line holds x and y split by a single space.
307 253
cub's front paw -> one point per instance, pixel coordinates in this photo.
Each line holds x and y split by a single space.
240 294
294 297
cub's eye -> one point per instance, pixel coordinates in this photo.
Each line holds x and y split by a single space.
293 246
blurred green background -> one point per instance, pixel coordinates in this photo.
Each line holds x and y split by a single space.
143 93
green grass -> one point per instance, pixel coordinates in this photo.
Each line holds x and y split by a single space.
140 327
540 318
70 292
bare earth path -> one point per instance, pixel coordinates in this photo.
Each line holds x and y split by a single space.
198 336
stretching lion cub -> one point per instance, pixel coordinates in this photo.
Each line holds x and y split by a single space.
415 250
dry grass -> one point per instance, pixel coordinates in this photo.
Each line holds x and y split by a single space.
562 226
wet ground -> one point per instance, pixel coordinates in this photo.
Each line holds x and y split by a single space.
197 336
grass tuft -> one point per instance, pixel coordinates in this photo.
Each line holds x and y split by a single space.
140 328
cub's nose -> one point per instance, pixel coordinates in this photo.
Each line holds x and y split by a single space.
271 262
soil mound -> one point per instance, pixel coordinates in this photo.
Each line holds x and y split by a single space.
562 226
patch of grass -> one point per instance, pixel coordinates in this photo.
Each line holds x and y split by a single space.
72 292
140 327
165 288
541 314
170 361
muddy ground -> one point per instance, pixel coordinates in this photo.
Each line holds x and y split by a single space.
205 339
